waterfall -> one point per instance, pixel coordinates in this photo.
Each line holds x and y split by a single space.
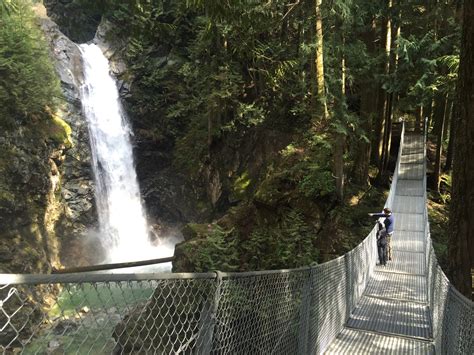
124 231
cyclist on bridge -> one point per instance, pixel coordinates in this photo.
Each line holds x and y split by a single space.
388 222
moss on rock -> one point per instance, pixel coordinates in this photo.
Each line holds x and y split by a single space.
61 131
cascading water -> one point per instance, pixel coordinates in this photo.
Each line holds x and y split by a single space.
123 226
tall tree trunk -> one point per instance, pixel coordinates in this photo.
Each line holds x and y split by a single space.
339 139
452 138
428 113
338 151
368 110
390 101
388 134
319 61
310 36
438 112
418 118
461 245
383 96
439 116
362 158
447 117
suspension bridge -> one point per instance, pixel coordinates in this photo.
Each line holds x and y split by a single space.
347 305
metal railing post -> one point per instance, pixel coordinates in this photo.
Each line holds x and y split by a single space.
349 284
208 319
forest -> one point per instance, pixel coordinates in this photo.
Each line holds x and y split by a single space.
265 130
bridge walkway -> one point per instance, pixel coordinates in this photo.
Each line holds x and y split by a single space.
393 315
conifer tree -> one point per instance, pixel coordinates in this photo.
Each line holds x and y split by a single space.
461 245
28 82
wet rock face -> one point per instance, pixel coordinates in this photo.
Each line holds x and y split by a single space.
77 22
167 195
29 202
77 187
113 51
30 207
33 158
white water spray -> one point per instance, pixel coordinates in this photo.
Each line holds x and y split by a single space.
124 230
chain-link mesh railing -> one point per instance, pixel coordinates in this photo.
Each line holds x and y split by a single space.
279 312
102 314
452 314
298 311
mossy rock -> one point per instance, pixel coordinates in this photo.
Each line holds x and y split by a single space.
212 248
187 255
240 187
195 230
270 192
7 199
63 130
58 131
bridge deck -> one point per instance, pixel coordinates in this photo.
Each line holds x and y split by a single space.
392 316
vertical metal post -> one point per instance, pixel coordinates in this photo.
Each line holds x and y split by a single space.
207 321
349 285
425 131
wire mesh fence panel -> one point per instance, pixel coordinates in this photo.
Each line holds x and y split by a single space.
429 266
21 316
360 263
329 310
437 292
151 316
173 320
452 314
458 324
260 314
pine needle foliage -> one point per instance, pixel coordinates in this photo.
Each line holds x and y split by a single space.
207 70
28 82
287 244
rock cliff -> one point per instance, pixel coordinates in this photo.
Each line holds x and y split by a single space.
76 226
47 206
